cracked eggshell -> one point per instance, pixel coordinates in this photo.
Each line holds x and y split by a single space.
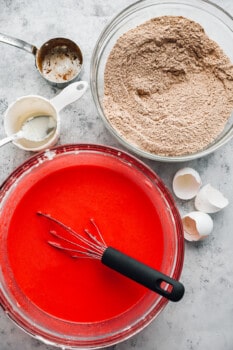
186 183
209 200
197 226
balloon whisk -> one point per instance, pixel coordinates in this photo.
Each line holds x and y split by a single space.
93 246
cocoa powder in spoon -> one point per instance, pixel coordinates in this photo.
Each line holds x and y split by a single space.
168 88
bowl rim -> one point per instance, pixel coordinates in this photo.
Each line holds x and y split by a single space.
140 4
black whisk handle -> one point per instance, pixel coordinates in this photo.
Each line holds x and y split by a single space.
143 274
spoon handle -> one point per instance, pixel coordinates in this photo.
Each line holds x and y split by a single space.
18 43
9 139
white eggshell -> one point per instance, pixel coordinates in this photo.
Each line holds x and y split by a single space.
197 225
210 200
186 183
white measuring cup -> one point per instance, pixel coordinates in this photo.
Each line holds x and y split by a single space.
30 106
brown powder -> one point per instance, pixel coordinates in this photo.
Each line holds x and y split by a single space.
168 88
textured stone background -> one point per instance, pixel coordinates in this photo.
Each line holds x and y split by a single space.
204 318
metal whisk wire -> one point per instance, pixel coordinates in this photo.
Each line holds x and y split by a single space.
90 248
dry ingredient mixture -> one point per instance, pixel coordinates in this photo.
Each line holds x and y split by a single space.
168 87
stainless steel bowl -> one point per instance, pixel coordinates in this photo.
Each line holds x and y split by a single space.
218 25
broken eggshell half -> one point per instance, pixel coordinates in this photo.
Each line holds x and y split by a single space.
197 225
186 183
210 200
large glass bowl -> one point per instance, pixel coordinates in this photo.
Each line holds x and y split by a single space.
84 335
218 25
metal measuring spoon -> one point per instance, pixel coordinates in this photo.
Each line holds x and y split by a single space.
36 129
59 60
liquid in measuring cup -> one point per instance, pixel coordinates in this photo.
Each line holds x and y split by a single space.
38 128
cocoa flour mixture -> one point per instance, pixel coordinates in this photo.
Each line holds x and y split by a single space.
168 88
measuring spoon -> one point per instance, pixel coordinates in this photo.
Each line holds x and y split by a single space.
37 129
59 60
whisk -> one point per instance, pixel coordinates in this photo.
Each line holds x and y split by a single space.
94 247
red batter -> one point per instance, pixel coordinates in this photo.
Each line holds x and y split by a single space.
124 207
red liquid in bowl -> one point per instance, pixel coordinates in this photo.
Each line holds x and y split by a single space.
129 209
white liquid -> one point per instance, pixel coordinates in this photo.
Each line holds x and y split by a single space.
38 128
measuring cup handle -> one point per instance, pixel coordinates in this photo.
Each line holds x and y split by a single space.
70 94
18 43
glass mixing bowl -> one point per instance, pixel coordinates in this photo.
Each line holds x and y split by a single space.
218 25
24 310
